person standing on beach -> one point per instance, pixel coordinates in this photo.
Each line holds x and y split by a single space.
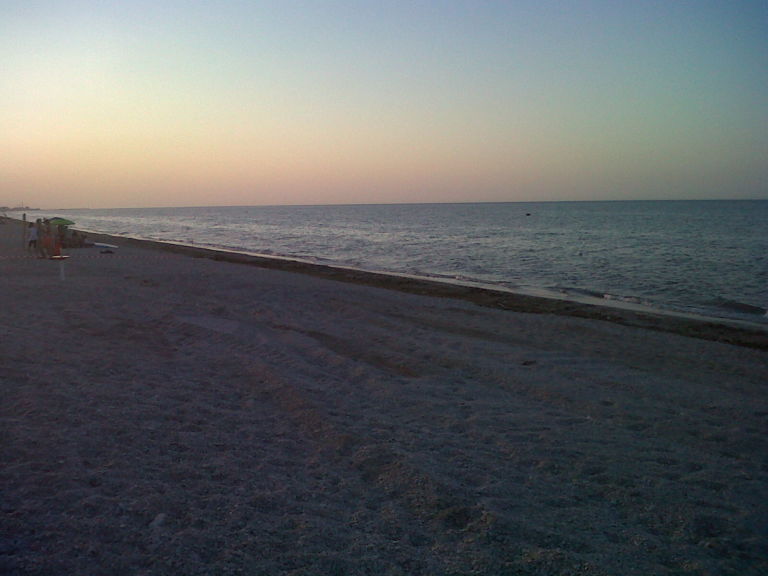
32 237
42 238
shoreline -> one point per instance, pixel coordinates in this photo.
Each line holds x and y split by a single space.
736 332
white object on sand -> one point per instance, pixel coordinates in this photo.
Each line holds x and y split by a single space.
61 259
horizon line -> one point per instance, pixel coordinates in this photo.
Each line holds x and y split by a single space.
448 203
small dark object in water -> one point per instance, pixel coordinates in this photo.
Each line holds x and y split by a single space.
106 252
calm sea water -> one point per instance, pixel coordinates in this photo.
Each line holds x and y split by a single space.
707 257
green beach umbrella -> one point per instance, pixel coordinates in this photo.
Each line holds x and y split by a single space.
59 221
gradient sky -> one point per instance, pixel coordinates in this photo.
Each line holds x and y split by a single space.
172 103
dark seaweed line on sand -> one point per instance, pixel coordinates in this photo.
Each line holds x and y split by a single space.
690 327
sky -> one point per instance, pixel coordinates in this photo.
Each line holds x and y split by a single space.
241 102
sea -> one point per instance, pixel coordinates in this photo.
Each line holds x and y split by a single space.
695 257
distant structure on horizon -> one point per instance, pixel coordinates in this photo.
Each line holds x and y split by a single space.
17 208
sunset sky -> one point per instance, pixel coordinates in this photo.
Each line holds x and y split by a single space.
189 103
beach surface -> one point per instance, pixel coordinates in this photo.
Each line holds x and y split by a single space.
169 410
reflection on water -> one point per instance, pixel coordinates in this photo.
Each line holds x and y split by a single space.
702 256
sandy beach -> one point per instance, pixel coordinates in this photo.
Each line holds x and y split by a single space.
168 410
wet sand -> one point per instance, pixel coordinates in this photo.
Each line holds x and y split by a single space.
168 411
